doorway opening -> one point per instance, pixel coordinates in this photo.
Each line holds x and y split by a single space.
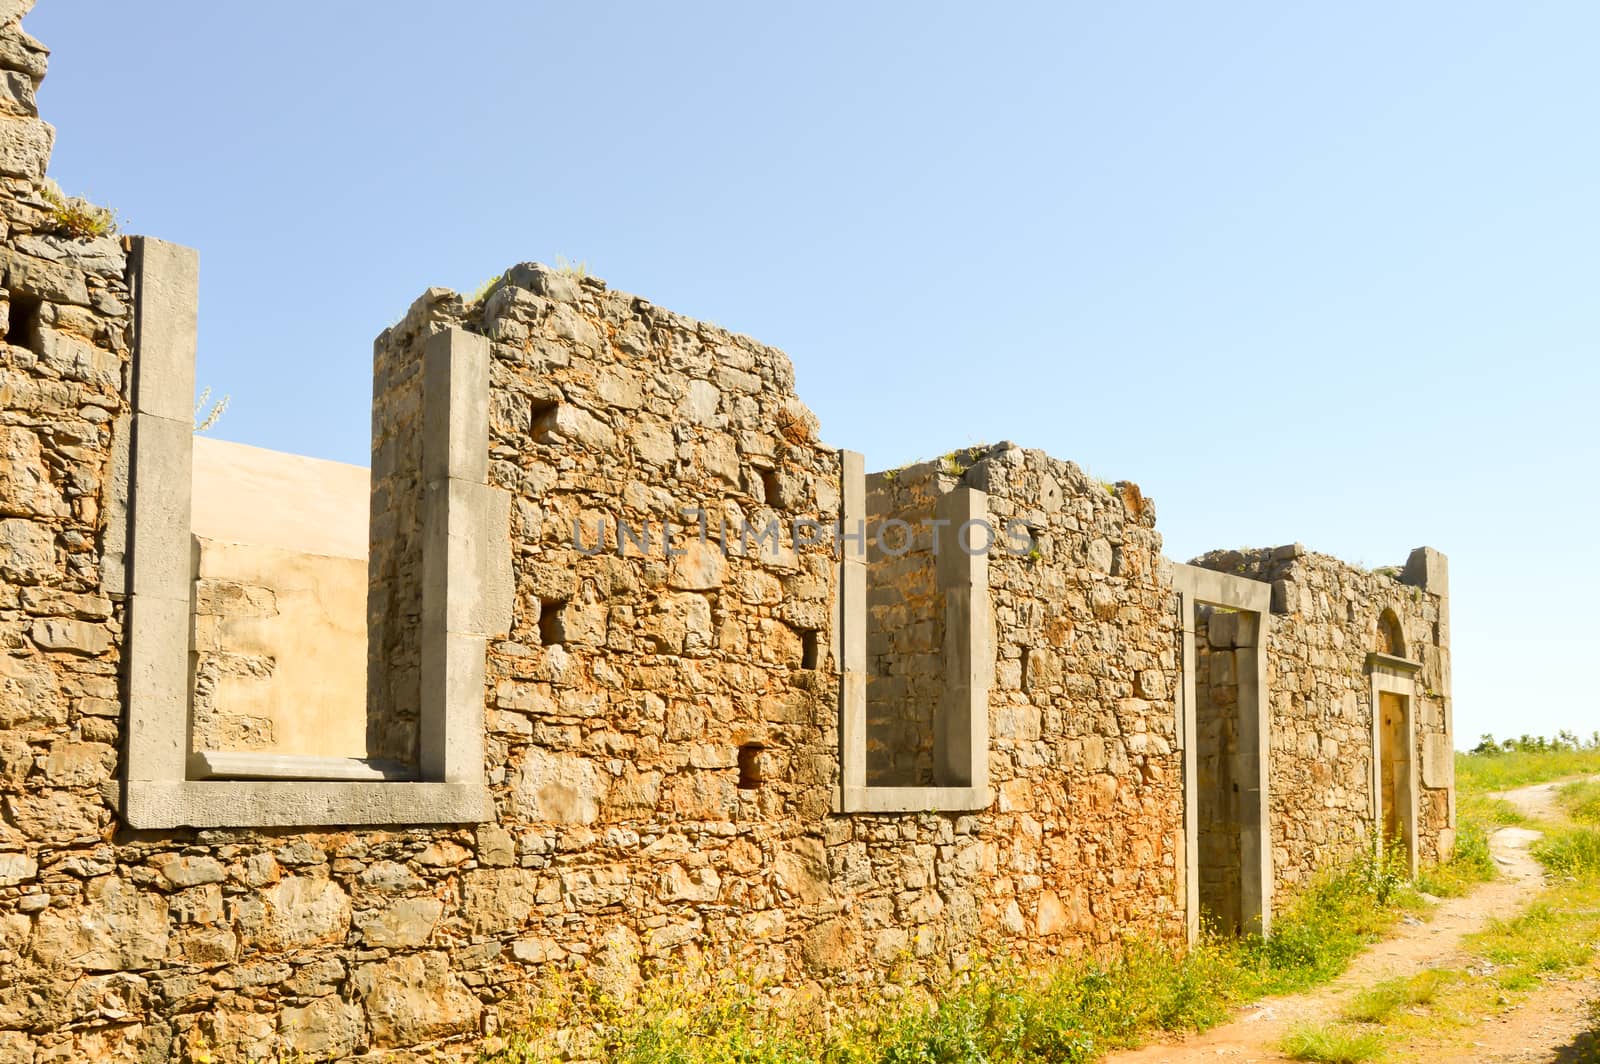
1225 730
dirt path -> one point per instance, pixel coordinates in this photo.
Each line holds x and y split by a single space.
1416 946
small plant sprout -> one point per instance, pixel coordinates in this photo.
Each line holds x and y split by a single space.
571 269
76 217
486 289
206 419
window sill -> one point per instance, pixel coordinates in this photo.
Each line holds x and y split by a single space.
912 799
257 765
151 804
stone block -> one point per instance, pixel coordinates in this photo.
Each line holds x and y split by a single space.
26 487
25 145
27 552
166 310
1438 761
414 999
297 912
326 1029
557 788
116 926
404 924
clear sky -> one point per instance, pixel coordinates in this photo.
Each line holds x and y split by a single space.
1305 272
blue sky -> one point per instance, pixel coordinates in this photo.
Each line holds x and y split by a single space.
1305 272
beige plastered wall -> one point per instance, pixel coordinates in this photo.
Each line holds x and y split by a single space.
280 567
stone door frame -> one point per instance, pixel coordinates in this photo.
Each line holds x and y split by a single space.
1205 587
1396 676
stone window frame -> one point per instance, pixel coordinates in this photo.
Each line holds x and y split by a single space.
961 720
1206 587
1387 674
466 593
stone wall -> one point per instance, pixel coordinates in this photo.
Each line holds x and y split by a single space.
905 624
394 565
1325 623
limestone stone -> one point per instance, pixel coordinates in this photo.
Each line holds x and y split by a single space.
297 912
558 788
495 846
326 1029
116 927
408 922
25 147
79 764
496 900
25 484
27 552
414 999
178 871
54 816
29 692
81 637
17 868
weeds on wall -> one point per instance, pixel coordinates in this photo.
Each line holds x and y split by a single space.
74 216
486 289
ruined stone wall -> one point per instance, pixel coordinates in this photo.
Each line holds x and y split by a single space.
662 722
1325 622
635 678
905 624
394 564
1087 828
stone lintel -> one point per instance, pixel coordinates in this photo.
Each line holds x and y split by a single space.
1388 663
1211 588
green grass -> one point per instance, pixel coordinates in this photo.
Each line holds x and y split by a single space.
1572 852
1377 1003
1483 773
1581 801
1471 863
1332 1043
